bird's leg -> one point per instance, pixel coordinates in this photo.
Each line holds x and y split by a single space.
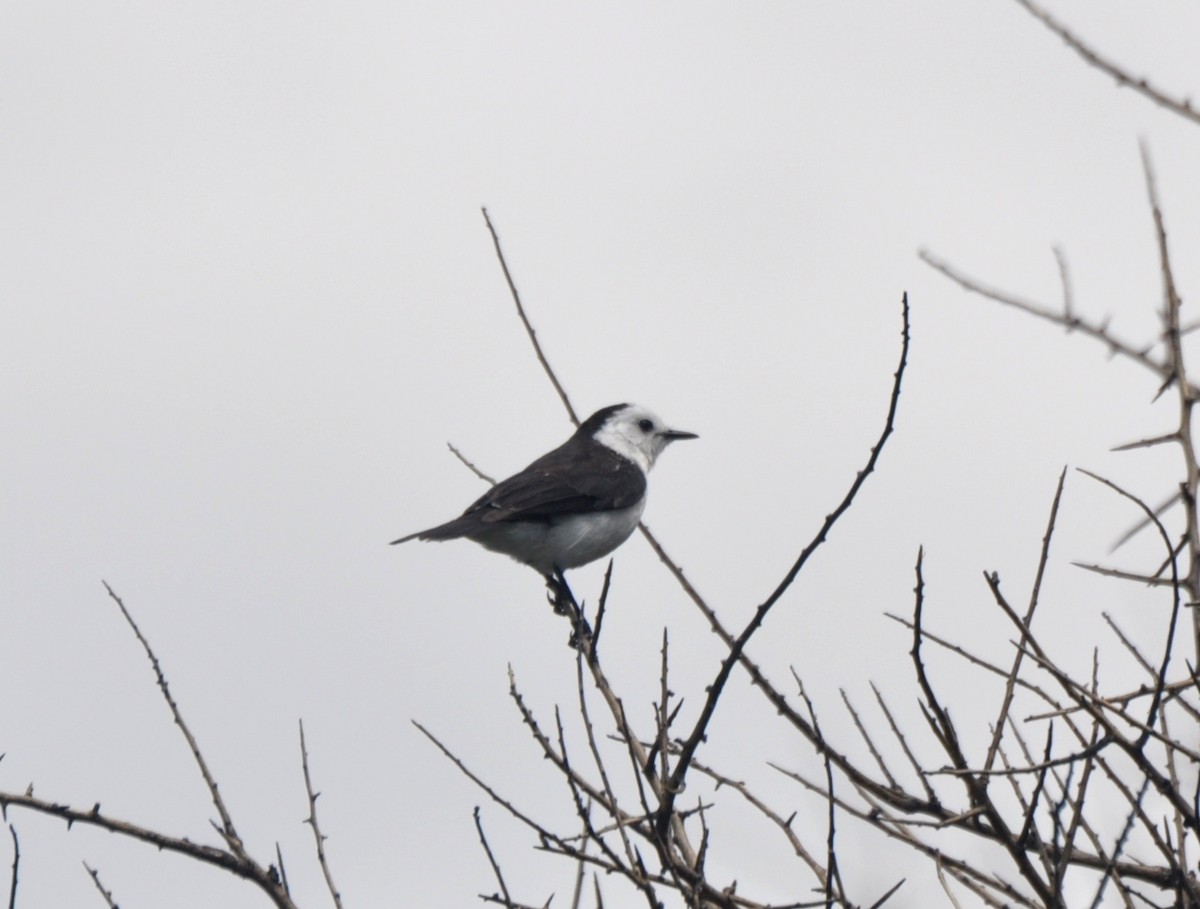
560 595
564 603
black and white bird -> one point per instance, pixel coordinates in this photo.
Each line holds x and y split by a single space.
572 505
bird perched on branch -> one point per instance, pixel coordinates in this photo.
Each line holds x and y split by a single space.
572 505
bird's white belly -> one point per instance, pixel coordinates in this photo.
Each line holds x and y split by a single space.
568 542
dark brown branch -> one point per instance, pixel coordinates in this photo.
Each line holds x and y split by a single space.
1029 829
507 900
600 608
16 864
283 878
834 878
888 894
1141 525
688 750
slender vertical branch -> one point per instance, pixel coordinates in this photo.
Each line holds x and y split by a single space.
227 829
311 820
537 347
715 689
1010 686
492 860
16 864
1187 399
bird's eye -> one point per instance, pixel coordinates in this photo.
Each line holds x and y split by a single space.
645 425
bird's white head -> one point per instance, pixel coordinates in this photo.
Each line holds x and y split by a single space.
633 432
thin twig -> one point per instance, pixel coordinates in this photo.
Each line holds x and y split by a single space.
243 867
715 689
311 820
866 737
1161 675
106 894
975 784
1183 108
1011 683
470 465
784 824
16 864
1142 524
1148 580
903 742
227 829
1098 331
537 348
600 609
1187 400
492 861
609 803
283 878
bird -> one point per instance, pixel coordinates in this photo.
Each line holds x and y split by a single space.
572 505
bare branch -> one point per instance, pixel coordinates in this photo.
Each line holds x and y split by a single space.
1187 401
866 737
16 864
508 903
311 820
1141 85
537 348
1146 579
106 894
1162 672
688 750
470 466
1071 322
1011 683
1141 525
227 829
784 824
239 865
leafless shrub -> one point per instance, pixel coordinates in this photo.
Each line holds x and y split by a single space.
1017 822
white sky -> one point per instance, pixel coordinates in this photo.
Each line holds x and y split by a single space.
249 296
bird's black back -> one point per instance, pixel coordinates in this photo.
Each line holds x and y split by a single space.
578 477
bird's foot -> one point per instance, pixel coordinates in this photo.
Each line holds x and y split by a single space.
559 594
563 600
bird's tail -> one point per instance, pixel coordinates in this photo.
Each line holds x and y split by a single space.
451 530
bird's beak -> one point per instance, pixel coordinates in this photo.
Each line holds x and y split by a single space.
673 435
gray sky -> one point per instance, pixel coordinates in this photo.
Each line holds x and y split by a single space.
249 297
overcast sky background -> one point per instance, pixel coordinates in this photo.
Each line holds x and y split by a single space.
249 297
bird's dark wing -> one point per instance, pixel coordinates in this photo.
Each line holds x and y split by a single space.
569 480
572 479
